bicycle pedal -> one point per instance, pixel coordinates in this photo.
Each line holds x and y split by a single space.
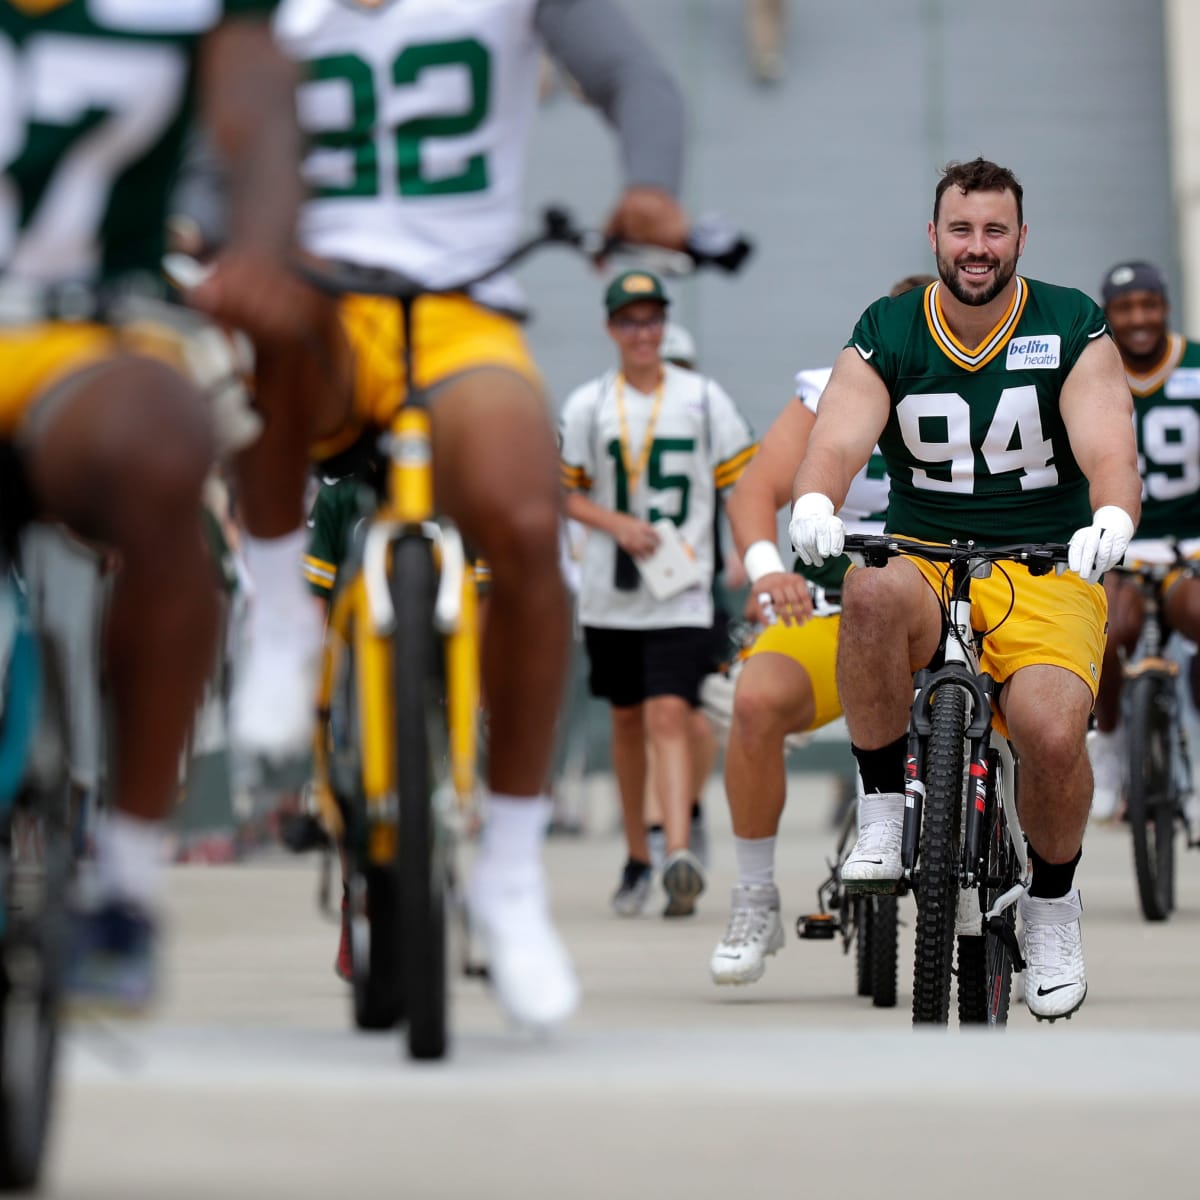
816 927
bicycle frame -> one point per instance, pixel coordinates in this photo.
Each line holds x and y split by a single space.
961 669
362 614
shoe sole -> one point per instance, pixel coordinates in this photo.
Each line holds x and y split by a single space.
874 887
1050 1018
683 884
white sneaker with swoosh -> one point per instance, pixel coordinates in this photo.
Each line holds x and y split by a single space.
1051 944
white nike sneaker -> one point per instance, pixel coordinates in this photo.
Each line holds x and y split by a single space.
273 707
1108 753
754 931
528 964
873 864
1055 983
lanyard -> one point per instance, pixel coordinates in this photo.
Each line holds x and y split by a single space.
633 471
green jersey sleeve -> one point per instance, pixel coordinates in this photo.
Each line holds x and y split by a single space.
1085 323
874 339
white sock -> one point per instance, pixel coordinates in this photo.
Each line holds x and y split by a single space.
275 566
755 860
130 854
514 828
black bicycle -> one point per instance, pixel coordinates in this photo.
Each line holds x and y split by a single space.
963 853
35 868
1159 765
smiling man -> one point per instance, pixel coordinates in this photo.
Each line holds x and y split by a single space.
1163 370
1003 415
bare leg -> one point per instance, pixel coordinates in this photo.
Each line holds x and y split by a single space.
497 476
629 764
1047 711
1124 623
704 751
890 626
773 698
669 755
122 457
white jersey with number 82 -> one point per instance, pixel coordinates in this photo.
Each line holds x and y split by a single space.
418 116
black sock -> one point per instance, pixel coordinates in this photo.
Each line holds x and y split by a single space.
654 829
1051 881
697 812
882 770
635 868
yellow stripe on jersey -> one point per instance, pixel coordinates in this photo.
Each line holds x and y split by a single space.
319 574
730 471
574 479
1152 380
992 344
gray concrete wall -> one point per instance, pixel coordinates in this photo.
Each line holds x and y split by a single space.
833 170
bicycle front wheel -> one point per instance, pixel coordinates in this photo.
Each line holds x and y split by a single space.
421 768
937 867
35 848
1151 798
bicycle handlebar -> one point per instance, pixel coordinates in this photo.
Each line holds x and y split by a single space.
875 549
712 242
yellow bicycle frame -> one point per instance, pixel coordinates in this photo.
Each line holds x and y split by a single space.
408 505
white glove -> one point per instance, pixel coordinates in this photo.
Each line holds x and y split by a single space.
1101 545
815 532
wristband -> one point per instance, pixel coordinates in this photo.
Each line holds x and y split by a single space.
761 559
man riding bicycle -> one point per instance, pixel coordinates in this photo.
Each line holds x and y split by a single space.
1163 370
102 429
1003 415
419 116
786 683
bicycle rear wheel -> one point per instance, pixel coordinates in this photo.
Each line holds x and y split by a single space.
937 866
883 920
36 853
985 962
861 910
1151 798
422 767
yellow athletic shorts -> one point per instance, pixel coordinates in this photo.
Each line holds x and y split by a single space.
1056 620
814 646
452 334
33 358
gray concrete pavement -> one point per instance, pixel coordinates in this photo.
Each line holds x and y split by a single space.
248 1082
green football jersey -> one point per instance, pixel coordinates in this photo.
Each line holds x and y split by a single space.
1166 404
95 99
975 443
339 506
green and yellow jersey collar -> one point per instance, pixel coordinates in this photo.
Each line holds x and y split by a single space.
963 356
1148 382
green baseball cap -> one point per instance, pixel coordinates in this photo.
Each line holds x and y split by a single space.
631 286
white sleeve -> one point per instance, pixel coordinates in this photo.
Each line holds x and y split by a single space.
733 440
576 443
810 384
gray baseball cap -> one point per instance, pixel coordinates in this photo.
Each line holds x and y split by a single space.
1132 277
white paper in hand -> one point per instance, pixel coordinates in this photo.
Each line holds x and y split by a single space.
671 569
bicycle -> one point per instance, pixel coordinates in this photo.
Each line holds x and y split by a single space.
868 922
35 866
962 852
1159 766
396 746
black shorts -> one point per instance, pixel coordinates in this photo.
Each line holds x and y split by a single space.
632 665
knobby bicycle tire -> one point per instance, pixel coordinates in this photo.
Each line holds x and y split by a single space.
37 864
1151 798
984 962
883 921
937 866
420 766
861 911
